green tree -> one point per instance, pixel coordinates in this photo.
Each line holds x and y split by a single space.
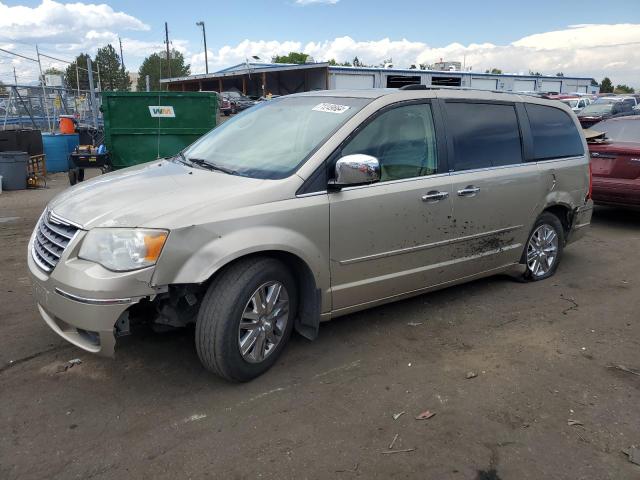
624 89
82 74
2 89
606 86
156 66
560 74
495 71
53 71
293 57
112 75
537 74
333 63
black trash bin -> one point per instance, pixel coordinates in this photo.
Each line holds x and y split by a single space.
13 170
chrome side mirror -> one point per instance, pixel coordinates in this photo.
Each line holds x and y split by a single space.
356 169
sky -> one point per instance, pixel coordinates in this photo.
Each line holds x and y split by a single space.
582 38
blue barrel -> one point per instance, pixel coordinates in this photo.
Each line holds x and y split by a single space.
57 149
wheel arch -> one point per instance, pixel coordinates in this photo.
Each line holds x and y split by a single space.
307 319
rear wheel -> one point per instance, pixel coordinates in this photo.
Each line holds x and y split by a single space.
544 248
246 319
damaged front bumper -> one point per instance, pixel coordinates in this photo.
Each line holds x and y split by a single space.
83 302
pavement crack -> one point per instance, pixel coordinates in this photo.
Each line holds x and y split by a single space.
13 363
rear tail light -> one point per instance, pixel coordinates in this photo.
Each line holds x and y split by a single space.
590 192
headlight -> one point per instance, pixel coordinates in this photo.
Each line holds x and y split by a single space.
122 249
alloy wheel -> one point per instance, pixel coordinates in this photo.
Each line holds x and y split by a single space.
542 250
264 321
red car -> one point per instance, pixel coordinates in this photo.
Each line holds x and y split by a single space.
615 162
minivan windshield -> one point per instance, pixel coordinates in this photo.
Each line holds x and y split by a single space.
272 139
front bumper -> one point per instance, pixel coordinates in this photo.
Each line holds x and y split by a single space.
581 220
82 301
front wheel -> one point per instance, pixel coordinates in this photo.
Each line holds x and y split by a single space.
544 248
246 318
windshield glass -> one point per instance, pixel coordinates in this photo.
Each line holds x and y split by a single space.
571 103
597 109
620 130
604 100
272 139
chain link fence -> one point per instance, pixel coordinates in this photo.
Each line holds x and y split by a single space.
31 106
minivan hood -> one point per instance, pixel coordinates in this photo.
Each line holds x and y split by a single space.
136 196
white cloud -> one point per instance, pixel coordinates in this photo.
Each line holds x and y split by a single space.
581 50
54 21
316 2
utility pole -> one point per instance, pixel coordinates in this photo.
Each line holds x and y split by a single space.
166 39
99 81
121 55
92 93
78 78
204 37
15 77
147 82
44 90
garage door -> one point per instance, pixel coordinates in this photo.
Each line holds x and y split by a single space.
524 85
484 83
353 81
550 85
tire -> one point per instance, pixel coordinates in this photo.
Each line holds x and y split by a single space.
543 250
73 176
230 299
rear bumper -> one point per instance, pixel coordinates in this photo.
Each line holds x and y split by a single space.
612 192
581 220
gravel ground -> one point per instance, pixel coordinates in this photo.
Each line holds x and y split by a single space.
541 352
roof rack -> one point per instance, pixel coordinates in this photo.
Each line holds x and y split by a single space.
448 87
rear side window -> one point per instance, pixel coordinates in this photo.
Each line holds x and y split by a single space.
554 133
484 135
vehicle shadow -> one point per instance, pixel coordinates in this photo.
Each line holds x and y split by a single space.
174 354
615 217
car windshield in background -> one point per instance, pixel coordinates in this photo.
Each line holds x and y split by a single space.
273 139
606 100
571 103
597 109
620 130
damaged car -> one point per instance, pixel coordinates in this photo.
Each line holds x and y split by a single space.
309 207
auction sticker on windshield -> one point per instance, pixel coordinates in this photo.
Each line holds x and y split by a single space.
330 108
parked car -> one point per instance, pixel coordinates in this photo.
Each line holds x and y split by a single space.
309 207
603 108
238 101
615 162
225 105
576 103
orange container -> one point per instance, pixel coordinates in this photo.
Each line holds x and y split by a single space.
66 124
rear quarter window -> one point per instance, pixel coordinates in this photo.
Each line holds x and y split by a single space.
553 132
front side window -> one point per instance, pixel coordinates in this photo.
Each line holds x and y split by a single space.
273 139
484 135
554 133
403 140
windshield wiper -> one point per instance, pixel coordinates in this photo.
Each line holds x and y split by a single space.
211 166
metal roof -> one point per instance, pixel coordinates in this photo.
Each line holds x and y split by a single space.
253 68
247 69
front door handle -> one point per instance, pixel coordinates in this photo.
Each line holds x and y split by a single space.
434 196
468 191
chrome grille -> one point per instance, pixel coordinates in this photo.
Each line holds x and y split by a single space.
52 237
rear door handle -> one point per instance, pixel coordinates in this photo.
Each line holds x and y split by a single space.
434 196
468 191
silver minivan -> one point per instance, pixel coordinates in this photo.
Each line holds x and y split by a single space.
309 207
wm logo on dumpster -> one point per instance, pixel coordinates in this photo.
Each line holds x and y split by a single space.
160 111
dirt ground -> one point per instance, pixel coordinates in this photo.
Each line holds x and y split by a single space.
326 410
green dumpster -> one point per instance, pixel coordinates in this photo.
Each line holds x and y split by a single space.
143 126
